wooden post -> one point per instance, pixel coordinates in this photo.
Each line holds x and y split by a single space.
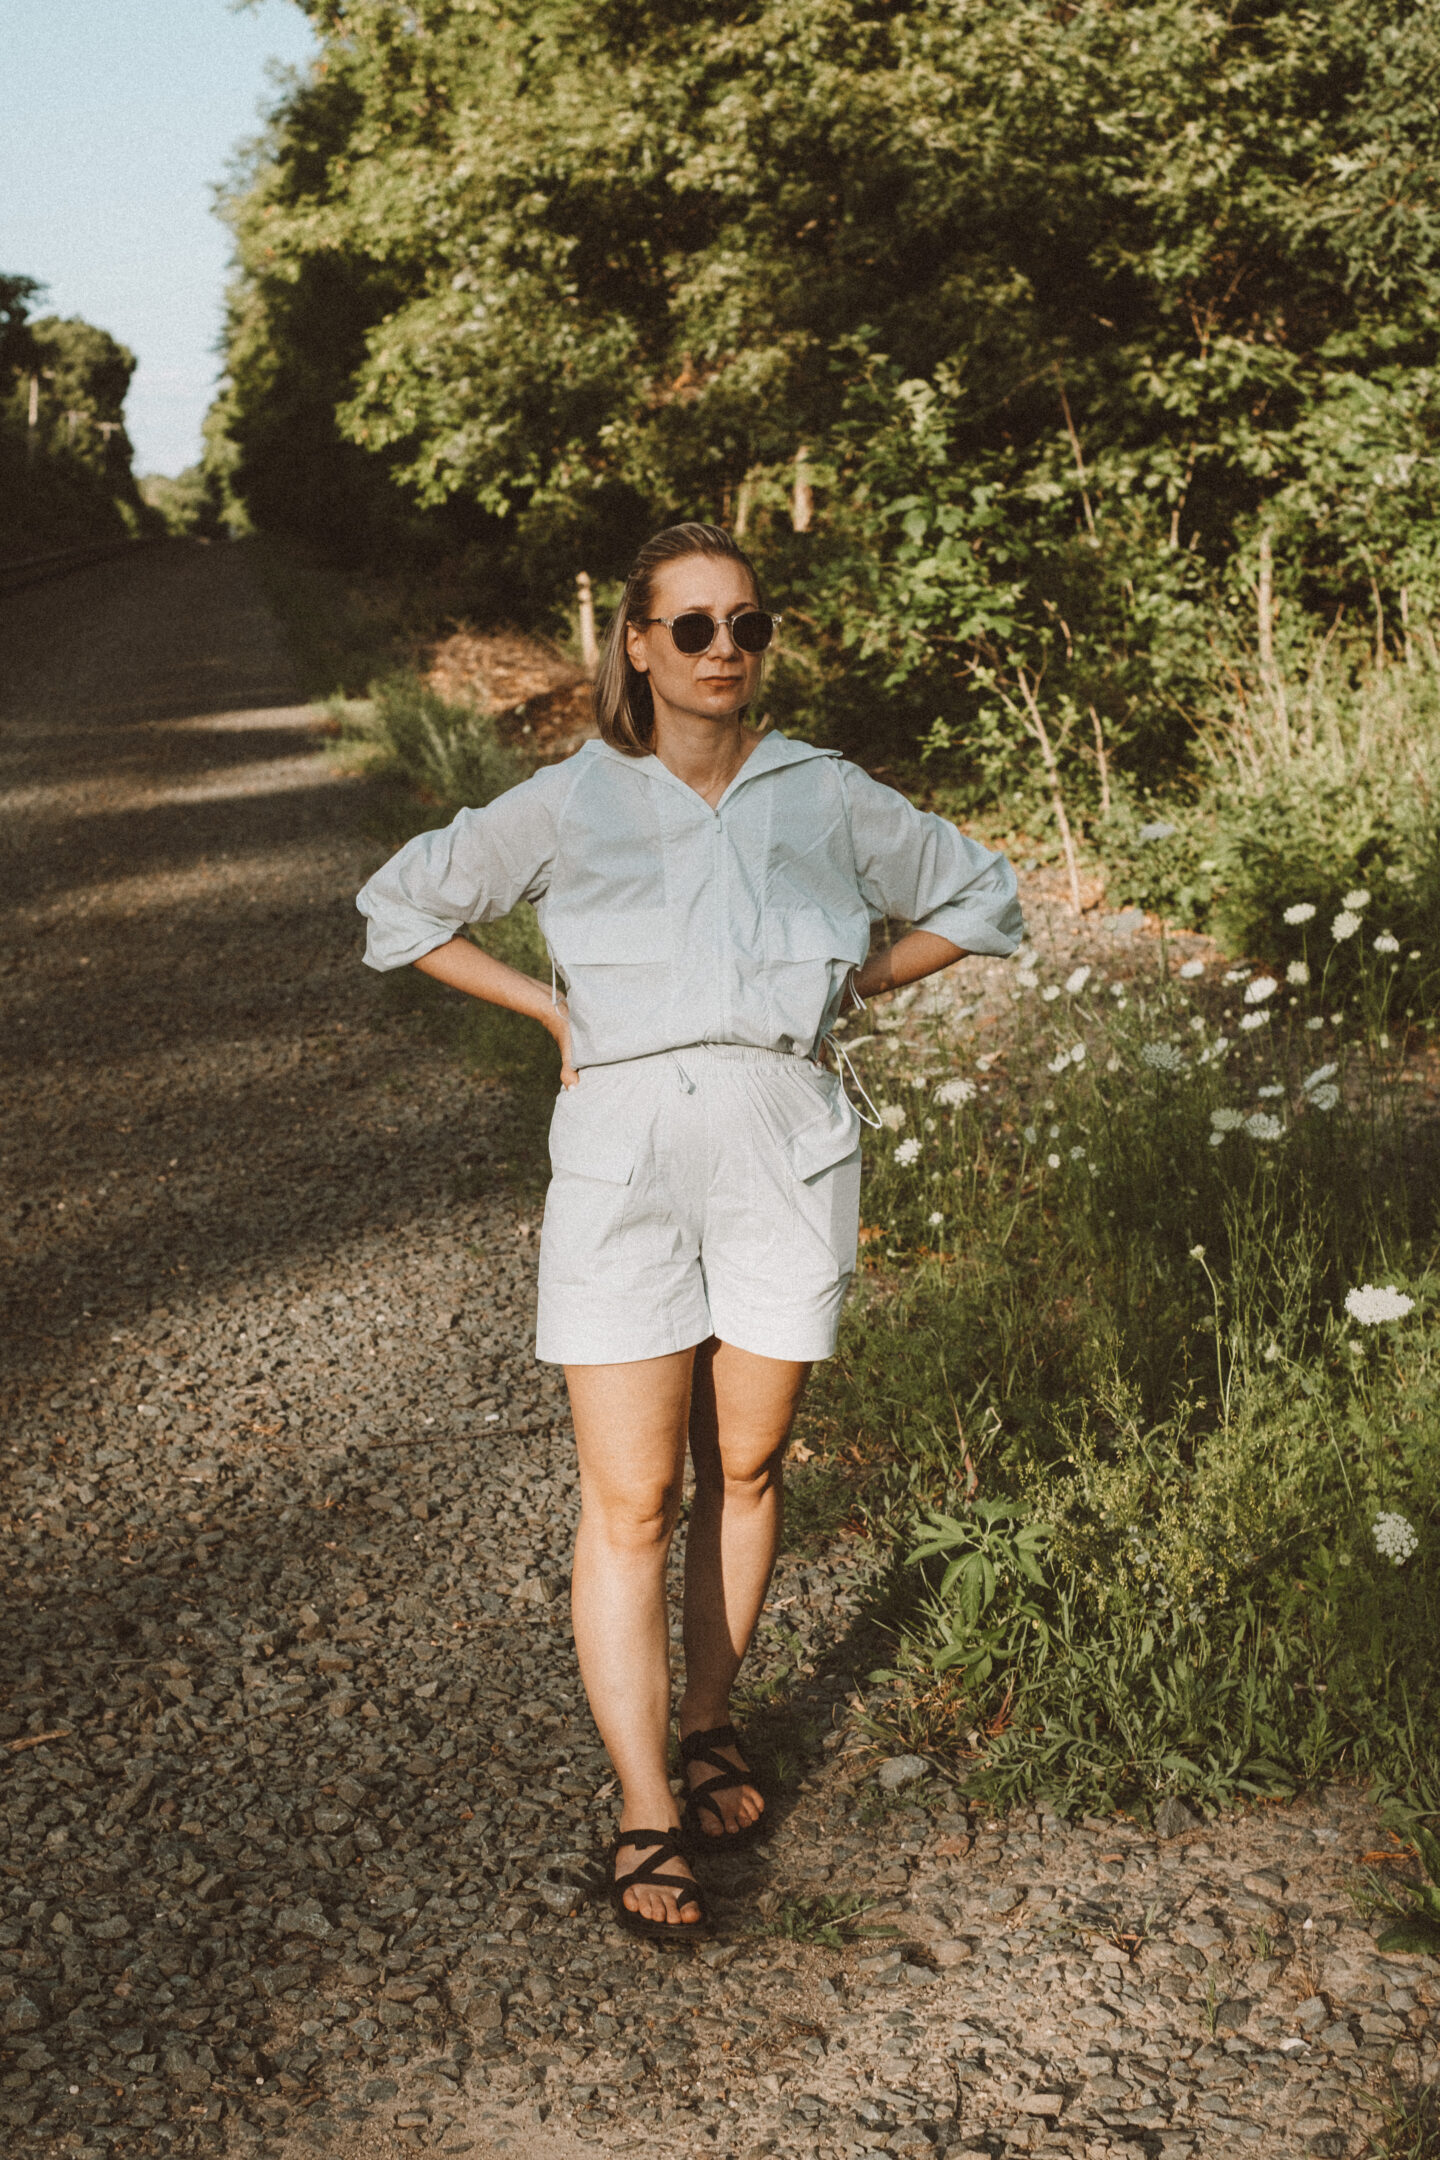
742 507
802 508
589 646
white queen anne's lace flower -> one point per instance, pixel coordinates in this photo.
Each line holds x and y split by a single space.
935 1219
1357 899
1261 1126
1252 1020
1076 980
1370 1306
1395 1538
892 1115
1264 986
1227 1120
1321 1074
954 1092
1162 1057
1387 942
1344 926
1050 993
1191 969
1302 911
1324 1097
1053 1161
907 1153
1298 973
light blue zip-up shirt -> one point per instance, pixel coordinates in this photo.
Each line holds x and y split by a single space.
673 923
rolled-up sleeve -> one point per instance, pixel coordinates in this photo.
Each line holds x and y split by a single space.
916 866
473 870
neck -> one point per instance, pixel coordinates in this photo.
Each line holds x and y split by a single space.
706 754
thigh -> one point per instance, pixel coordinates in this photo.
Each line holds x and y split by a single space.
630 1427
742 1407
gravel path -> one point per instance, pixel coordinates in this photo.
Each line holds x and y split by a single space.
300 1791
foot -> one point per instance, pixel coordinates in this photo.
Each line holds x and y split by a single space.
738 1806
652 1901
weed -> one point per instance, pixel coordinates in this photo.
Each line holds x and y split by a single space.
1411 2129
829 1921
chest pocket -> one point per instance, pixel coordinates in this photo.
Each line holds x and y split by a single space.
639 937
809 926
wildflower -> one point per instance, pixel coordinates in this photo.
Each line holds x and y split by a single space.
1053 1161
1336 1019
1344 926
1197 1023
1250 1021
935 1219
1314 1022
1117 989
1414 956
907 1153
1321 1074
1236 975
1050 993
1370 1306
1216 1138
1264 986
892 1114
1076 980
1276 1088
1386 942
1261 1126
1159 830
1395 1538
1077 1154
1077 1054
1357 899
1302 911
1298 972
1227 1120
1383 1042
954 1092
1162 1057
1324 1098
1271 1352
1060 1063
1112 1065
1030 1136
1026 980
1197 1252
1191 969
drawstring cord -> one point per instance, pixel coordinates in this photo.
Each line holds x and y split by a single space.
554 993
874 1121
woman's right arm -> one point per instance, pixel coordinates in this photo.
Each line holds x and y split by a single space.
465 967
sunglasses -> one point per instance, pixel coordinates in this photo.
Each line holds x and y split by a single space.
692 634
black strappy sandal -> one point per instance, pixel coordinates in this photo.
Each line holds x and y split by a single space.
704 1747
660 1846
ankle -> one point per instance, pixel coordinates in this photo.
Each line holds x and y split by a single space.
701 1717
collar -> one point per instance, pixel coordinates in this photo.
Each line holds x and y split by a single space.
773 751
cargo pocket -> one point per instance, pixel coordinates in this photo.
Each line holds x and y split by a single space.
585 1138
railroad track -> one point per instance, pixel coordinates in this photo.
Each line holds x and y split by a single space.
59 562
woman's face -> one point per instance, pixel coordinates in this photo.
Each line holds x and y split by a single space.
713 685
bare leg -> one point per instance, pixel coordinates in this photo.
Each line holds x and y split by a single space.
741 1410
630 1425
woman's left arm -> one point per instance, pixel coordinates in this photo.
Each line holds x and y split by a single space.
961 897
909 959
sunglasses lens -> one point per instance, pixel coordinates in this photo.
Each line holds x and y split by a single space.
753 630
692 633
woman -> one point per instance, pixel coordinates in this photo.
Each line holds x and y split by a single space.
707 895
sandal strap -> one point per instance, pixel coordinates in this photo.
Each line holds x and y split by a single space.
662 1845
696 1745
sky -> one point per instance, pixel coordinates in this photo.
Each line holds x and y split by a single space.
119 118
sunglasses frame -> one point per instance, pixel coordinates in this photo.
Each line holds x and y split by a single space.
718 623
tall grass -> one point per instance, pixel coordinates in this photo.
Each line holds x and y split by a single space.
1107 1402
1311 783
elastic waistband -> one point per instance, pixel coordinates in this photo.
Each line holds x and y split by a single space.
701 1052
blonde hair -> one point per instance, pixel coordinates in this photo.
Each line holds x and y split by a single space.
623 704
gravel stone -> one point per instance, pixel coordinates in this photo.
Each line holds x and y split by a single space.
302 1803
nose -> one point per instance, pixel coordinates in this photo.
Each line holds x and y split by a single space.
722 646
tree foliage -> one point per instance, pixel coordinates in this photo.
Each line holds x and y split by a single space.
1072 311
67 476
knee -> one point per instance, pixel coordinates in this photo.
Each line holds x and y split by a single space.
744 1481
635 1522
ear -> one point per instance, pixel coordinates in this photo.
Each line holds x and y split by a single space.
635 648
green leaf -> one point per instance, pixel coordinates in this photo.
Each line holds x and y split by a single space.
1418 1936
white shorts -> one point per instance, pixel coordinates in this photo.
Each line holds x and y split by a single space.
713 1190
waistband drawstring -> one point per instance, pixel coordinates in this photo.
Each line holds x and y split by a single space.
874 1121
